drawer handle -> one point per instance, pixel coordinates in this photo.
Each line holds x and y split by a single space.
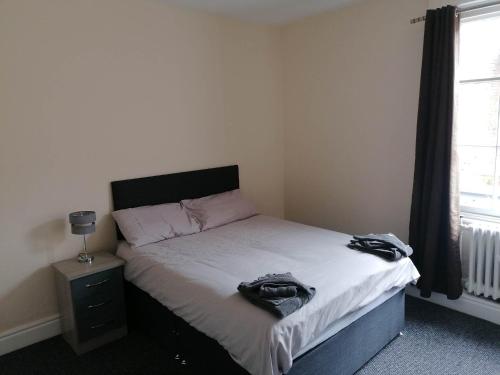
96 284
98 305
101 324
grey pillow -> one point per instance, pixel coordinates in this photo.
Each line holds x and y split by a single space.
219 209
148 224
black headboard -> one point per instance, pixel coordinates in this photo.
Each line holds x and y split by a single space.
170 188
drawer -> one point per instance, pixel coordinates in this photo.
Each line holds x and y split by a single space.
95 326
97 306
101 284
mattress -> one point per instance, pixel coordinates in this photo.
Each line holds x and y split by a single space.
196 277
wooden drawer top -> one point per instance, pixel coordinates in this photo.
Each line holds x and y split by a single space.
72 269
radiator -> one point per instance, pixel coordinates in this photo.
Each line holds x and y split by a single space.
480 250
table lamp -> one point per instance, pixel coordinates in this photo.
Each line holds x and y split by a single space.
83 223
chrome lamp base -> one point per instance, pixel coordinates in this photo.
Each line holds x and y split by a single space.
85 258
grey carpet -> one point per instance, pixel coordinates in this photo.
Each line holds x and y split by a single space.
435 341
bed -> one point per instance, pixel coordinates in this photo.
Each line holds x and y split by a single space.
183 290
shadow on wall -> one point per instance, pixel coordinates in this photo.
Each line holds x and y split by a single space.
32 288
48 236
52 239
44 238
104 237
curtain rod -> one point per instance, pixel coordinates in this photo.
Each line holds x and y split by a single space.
461 10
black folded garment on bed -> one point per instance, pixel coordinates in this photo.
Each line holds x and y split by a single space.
280 294
387 246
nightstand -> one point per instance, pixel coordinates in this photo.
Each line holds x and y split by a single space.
91 301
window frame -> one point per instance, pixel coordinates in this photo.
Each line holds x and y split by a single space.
470 211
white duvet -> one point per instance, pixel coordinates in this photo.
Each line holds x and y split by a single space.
196 278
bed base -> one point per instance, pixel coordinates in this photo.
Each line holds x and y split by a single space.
342 354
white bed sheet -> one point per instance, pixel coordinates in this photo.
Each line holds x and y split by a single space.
196 277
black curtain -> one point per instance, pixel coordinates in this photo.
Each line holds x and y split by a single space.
434 221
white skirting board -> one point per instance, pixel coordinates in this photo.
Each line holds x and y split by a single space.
467 304
30 333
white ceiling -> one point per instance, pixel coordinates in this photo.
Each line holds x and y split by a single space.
266 11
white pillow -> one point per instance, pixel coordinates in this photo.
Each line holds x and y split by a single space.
219 209
148 224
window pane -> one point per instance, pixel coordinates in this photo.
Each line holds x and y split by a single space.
477 170
479 203
478 111
485 203
496 191
480 48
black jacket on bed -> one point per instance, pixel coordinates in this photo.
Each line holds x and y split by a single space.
387 246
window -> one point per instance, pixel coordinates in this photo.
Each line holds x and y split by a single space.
478 114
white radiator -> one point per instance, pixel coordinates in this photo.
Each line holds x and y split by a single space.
480 250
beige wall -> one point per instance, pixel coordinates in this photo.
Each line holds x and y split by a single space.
351 97
98 90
